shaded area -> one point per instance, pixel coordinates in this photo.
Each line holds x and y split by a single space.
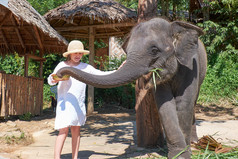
216 112
118 127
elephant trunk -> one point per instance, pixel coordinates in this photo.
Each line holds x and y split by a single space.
128 73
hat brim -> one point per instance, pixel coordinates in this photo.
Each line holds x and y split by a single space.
85 52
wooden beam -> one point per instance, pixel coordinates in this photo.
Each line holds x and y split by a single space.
4 39
17 31
13 27
4 18
38 37
34 57
97 35
71 28
116 29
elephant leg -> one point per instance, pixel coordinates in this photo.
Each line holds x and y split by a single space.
185 117
185 111
194 137
174 135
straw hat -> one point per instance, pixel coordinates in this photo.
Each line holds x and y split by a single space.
75 46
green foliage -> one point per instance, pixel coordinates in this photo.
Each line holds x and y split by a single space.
221 41
12 64
47 92
133 4
112 63
26 117
222 78
43 6
15 140
204 154
123 95
51 62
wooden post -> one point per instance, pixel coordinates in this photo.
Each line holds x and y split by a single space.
149 128
41 65
91 62
26 60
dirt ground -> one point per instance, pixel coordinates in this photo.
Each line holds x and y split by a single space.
16 133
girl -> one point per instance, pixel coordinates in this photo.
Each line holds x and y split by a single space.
70 111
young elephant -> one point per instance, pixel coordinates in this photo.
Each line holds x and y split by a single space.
175 49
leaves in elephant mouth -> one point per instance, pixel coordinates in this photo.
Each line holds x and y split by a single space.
154 73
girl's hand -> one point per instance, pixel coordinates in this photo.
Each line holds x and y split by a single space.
53 80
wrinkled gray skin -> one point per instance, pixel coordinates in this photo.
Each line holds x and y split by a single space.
174 48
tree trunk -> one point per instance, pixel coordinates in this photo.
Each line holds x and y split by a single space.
163 9
147 9
174 11
206 14
167 8
149 128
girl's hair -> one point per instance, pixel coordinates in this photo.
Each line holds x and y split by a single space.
68 58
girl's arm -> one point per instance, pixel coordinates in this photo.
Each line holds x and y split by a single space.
50 79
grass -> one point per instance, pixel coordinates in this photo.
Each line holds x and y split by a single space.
206 154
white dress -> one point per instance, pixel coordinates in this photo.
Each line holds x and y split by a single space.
70 110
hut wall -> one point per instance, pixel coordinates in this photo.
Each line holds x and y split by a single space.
20 95
102 53
115 49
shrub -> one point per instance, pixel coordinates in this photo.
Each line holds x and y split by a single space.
221 41
123 95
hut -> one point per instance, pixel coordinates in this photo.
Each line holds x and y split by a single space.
90 20
25 31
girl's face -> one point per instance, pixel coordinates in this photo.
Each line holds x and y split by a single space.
76 57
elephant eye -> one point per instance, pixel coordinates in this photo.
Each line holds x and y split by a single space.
154 50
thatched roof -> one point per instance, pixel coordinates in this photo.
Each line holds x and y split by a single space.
24 30
108 17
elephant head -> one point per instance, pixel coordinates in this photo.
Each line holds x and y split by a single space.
156 43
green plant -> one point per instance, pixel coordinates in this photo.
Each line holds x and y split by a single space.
43 6
26 117
47 92
154 74
123 95
12 64
205 154
221 41
180 152
221 80
12 139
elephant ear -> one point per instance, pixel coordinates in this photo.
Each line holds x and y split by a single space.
185 41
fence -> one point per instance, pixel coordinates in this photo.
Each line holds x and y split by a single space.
20 95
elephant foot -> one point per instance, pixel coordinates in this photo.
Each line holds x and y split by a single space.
179 154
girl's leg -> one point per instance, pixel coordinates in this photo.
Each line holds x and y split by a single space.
75 131
63 133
